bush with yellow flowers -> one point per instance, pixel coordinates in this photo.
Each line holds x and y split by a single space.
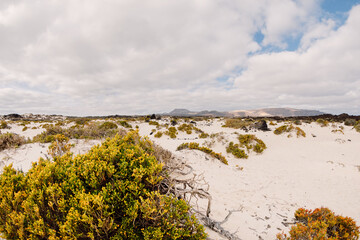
111 192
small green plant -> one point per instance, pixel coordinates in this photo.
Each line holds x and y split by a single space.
322 122
236 123
25 128
300 132
236 151
108 125
158 134
171 132
186 128
203 135
125 124
337 131
153 123
320 224
297 122
10 140
350 122
196 146
4 125
251 142
283 128
59 146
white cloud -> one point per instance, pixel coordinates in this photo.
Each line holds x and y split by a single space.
107 57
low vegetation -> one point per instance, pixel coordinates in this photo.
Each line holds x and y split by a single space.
11 140
236 123
321 223
171 132
196 146
288 129
322 122
251 142
114 191
235 150
158 134
125 124
93 130
4 125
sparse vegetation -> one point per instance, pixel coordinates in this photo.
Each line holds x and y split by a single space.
4 125
10 140
171 132
337 131
322 122
350 122
321 223
300 132
251 142
196 146
112 192
59 146
185 128
125 124
236 123
153 123
236 151
108 126
25 128
203 135
158 134
288 129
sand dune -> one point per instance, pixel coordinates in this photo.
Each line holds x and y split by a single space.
322 169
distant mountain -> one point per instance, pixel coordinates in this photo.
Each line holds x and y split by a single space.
265 112
280 112
180 112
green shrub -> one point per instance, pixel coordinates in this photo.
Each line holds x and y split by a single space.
108 193
250 141
196 146
236 151
125 124
4 125
203 135
290 128
282 129
25 128
236 123
153 123
82 121
350 122
185 128
322 122
357 127
10 140
300 132
320 224
108 125
171 132
297 122
158 134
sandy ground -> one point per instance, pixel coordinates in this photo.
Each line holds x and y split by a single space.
322 169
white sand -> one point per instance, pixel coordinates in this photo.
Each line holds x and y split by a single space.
291 173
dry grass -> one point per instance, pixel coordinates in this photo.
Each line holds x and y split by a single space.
10 140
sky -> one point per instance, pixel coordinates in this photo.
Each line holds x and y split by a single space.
105 57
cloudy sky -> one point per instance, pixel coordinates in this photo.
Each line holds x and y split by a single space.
102 57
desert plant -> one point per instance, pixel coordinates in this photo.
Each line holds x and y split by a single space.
108 125
153 123
322 122
171 132
158 134
236 123
236 151
4 125
10 140
59 146
25 128
319 224
125 124
297 122
196 146
185 128
109 193
203 135
350 122
250 141
300 132
282 129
